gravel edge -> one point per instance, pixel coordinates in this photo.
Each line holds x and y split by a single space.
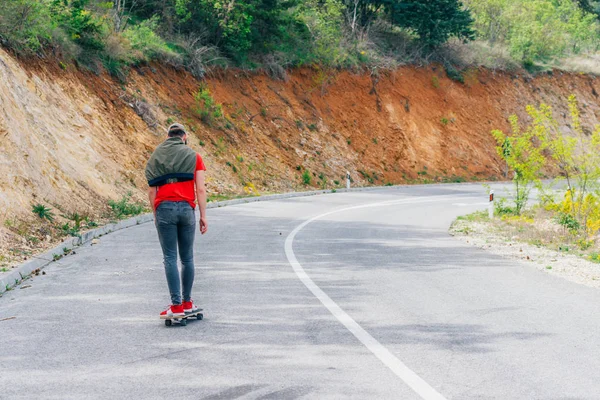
564 265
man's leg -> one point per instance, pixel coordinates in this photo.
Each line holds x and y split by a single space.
186 232
166 224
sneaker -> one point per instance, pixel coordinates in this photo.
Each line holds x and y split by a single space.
175 310
189 307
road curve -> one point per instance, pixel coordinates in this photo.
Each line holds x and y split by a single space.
358 295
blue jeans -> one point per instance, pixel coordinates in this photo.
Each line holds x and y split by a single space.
176 226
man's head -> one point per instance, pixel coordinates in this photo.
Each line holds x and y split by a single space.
177 130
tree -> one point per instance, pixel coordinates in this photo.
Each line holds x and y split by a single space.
434 21
524 157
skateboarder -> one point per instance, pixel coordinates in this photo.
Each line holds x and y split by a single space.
175 175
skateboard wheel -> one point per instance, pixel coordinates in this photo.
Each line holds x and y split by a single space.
200 316
183 322
168 322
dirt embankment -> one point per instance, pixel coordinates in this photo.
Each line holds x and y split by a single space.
73 140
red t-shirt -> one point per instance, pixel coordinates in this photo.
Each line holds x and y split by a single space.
180 191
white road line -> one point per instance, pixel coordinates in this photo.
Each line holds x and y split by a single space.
409 377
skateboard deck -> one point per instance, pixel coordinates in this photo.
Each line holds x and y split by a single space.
182 320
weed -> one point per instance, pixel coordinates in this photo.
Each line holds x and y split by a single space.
306 177
336 182
169 121
548 266
56 257
312 127
444 121
435 82
298 167
585 244
476 216
349 141
43 212
501 208
299 124
68 230
564 248
374 140
595 257
568 222
206 107
202 143
367 176
124 208
263 111
454 74
76 218
220 146
240 159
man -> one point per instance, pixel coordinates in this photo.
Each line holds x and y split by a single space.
175 175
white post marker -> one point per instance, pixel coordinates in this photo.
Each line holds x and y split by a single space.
347 179
491 206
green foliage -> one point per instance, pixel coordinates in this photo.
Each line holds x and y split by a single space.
567 221
525 157
146 42
206 107
434 21
69 230
536 29
125 208
77 219
26 25
454 74
43 212
306 177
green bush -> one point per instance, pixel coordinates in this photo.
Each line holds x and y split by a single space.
124 208
147 43
26 25
306 177
206 107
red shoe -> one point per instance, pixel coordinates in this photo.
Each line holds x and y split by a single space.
189 307
175 310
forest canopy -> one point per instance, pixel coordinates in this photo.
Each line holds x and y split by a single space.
277 34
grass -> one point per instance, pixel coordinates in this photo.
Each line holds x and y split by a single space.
125 208
224 197
535 227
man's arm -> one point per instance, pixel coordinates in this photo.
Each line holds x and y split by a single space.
201 197
152 190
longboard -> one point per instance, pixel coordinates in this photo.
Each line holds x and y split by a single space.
182 320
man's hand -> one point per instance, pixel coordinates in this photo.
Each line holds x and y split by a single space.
203 225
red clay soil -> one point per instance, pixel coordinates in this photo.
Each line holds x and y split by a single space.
392 127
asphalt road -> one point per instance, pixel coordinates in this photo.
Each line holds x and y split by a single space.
370 300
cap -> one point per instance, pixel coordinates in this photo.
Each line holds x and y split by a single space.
176 127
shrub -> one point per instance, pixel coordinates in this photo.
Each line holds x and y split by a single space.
206 107
306 177
43 212
148 44
26 25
